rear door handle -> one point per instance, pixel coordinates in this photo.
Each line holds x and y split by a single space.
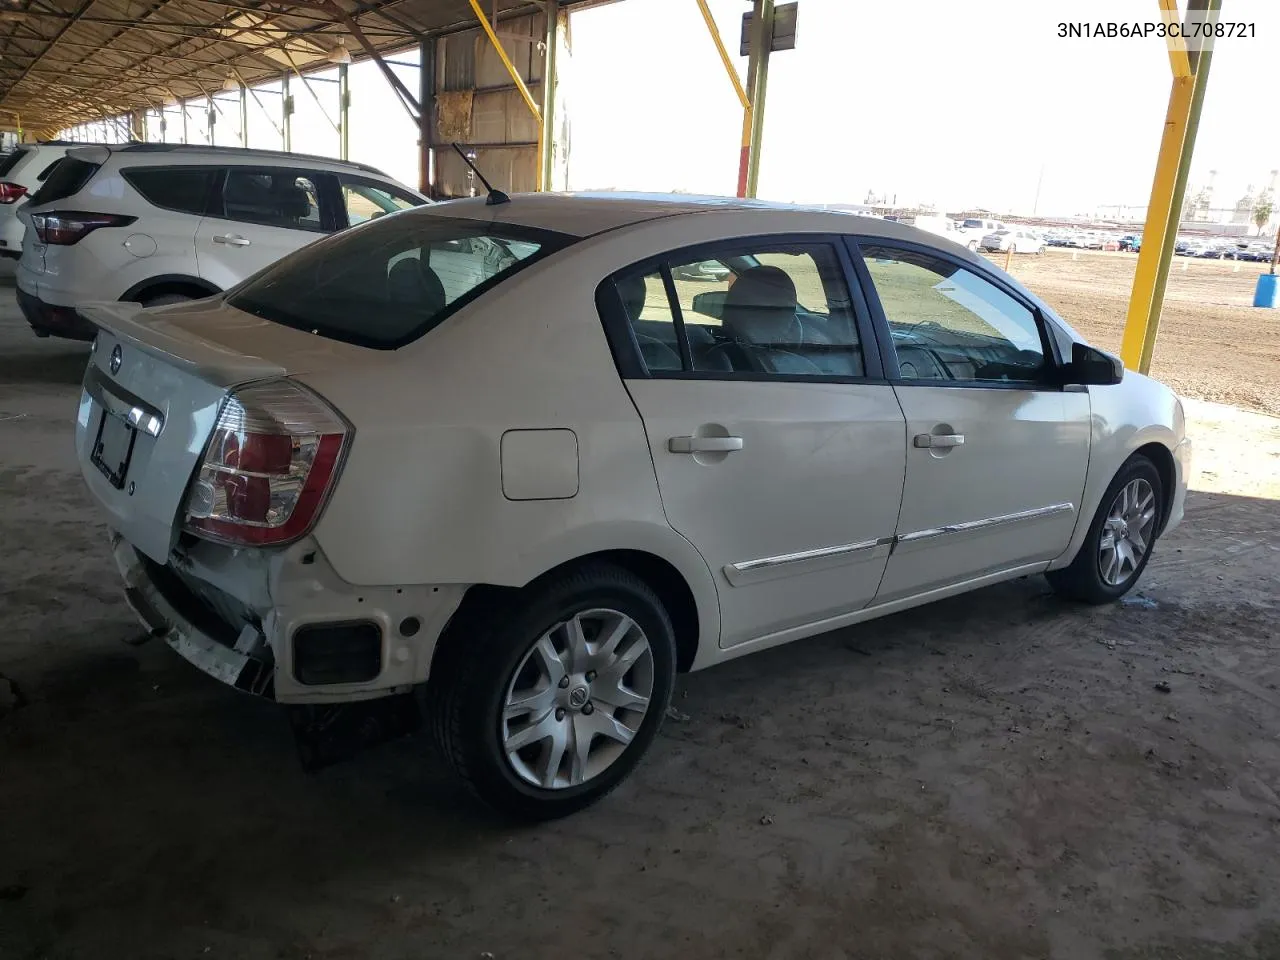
232 239
938 440
704 444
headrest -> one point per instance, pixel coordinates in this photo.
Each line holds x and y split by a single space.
760 307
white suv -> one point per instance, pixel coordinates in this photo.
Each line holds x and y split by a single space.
162 223
21 173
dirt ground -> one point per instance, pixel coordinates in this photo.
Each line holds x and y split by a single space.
1000 776
1213 343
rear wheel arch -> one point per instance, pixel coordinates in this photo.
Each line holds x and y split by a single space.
658 574
169 284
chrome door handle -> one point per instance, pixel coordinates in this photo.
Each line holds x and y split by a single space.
232 239
704 444
938 440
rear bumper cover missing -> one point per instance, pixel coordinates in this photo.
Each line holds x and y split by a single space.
241 666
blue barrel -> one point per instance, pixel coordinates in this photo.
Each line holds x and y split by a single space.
1268 292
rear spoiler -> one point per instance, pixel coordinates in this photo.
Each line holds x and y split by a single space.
96 154
178 346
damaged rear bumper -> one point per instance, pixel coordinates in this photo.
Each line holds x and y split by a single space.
243 661
281 624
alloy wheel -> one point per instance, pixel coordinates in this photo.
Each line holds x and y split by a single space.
1127 532
577 699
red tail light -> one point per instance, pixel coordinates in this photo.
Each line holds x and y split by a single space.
269 466
64 229
11 192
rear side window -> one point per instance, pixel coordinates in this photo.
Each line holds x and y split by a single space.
67 178
9 161
387 283
184 189
273 198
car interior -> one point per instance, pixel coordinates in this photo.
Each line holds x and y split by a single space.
756 326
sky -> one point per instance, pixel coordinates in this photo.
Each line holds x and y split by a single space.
929 101
959 104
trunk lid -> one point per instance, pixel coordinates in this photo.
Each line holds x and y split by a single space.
152 392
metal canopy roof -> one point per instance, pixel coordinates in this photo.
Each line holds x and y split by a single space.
68 61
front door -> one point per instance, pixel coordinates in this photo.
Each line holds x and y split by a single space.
260 216
996 454
775 455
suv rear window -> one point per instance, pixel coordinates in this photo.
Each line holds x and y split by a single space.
67 178
9 161
184 189
386 283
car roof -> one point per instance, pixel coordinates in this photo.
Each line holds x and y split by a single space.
196 152
587 214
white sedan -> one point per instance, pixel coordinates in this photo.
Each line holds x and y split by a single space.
1013 241
532 502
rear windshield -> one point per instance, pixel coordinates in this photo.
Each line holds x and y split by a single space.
10 160
386 283
66 178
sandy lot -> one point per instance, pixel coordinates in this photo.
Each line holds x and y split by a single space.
994 777
1213 344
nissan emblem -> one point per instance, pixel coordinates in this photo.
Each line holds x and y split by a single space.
116 359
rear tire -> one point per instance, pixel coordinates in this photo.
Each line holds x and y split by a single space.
535 729
1091 578
973 245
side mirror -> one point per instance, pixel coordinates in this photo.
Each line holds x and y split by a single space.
1090 366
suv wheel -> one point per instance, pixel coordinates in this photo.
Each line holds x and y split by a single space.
1119 543
545 706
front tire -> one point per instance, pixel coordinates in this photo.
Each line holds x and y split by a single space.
973 245
545 704
1120 539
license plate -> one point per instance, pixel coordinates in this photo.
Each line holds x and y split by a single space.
112 448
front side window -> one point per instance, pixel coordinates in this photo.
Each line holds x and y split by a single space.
950 324
774 309
387 284
184 189
368 201
273 198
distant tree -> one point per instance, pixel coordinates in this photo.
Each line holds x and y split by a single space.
1262 214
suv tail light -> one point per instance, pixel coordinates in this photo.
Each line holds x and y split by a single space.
269 466
64 229
11 192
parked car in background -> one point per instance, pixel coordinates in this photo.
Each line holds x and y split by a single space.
943 227
1014 241
974 229
21 174
161 223
535 497
710 270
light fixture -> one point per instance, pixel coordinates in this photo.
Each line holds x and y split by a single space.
340 53
231 83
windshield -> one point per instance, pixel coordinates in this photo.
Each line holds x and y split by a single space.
973 223
386 283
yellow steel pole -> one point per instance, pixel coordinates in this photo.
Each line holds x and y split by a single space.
1164 212
744 145
1159 211
515 77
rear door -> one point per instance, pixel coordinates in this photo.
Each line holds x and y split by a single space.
779 450
997 452
259 215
